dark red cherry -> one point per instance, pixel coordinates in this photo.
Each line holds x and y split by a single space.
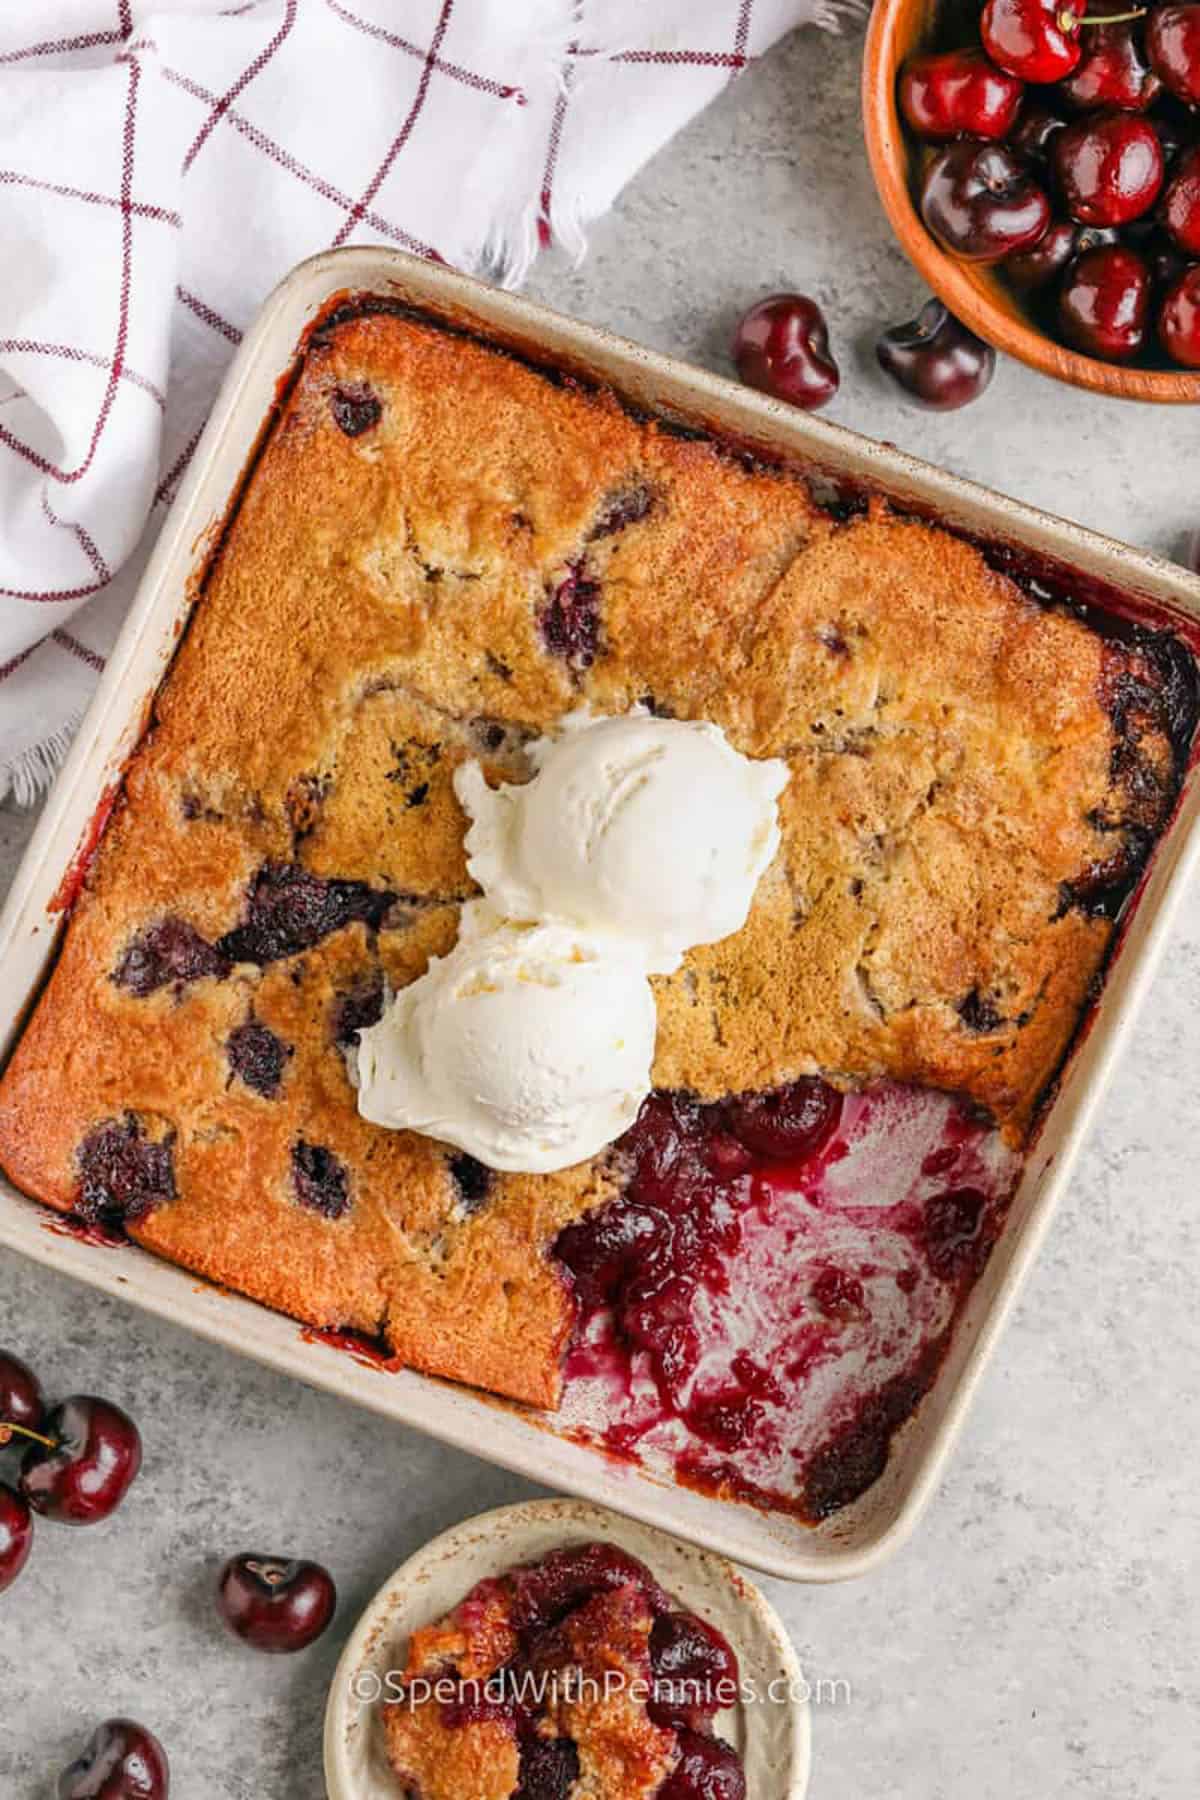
707 1770
549 1768
1114 71
781 346
695 1671
545 1592
16 1535
1172 137
84 1471
1035 132
122 1761
1173 45
1181 204
958 93
1179 320
982 201
274 1603
1037 40
1049 257
936 359
21 1400
1105 303
1110 168
786 1122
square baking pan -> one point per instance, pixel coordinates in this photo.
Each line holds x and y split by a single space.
840 465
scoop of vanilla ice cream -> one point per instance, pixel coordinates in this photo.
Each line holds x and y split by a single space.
527 1046
653 830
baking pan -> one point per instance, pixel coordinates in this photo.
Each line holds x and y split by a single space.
842 465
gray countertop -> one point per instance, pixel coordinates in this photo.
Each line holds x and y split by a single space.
1041 1634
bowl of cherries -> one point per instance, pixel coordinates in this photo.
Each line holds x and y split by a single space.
1039 161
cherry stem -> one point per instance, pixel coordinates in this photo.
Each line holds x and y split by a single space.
9 1430
1068 20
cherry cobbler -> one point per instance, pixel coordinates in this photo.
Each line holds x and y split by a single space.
573 1675
440 552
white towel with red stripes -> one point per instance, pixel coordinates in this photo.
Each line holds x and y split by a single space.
164 162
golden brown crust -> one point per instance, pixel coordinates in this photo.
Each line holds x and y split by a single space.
622 1752
436 1761
962 768
594 1677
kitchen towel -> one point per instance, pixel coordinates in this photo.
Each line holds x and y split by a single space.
164 162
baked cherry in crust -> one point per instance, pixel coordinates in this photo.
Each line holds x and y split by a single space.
289 909
955 93
982 201
122 1761
257 1057
549 1768
361 1006
320 1179
781 347
571 620
168 953
124 1174
356 408
472 1179
84 1471
276 1603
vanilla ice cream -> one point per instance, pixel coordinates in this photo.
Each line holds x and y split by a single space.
529 1046
654 831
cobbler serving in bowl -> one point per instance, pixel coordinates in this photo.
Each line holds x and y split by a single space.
575 1674
440 554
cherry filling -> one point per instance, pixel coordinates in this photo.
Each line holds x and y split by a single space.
543 1593
549 1768
356 408
695 1672
679 1221
320 1179
693 1669
771 1294
361 1006
472 1180
624 509
168 953
257 1057
289 909
571 620
707 1770
123 1174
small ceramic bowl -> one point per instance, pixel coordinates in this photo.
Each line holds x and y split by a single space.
771 1732
975 295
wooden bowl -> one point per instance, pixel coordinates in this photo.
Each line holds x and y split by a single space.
974 294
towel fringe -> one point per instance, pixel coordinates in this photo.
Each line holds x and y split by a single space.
26 778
